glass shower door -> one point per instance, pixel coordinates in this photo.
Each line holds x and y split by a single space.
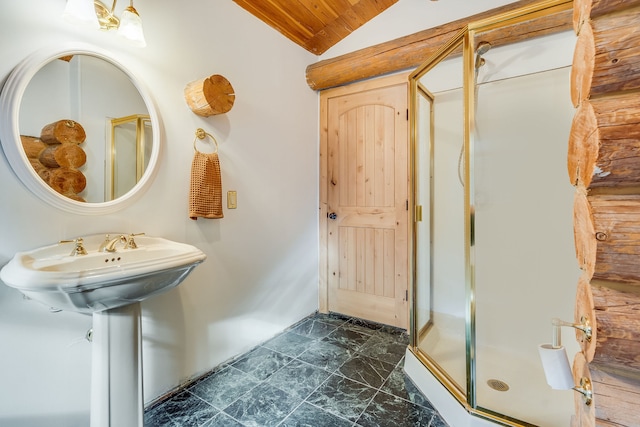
439 239
525 269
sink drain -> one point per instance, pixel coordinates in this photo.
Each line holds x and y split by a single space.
498 385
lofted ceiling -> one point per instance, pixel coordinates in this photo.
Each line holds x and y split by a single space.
316 25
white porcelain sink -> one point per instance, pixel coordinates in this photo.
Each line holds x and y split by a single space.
110 286
99 280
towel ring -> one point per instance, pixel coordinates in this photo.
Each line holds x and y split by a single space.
201 134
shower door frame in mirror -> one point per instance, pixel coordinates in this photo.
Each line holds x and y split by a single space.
127 153
497 31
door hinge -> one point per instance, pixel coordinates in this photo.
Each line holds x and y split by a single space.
406 205
407 114
406 295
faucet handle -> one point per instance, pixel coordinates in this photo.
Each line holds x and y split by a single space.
131 243
78 249
104 244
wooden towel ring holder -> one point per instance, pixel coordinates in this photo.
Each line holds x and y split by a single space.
202 134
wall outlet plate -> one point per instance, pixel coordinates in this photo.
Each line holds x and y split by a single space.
232 200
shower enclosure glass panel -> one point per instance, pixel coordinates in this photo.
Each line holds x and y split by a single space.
525 269
424 104
489 133
439 226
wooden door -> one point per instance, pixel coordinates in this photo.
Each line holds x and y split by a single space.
364 188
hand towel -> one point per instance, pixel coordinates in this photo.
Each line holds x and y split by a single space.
205 192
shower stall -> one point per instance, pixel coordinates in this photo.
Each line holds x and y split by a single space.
494 257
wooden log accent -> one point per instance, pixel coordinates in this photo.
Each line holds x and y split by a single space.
63 131
412 50
604 143
608 56
75 197
583 57
584 309
32 146
67 180
43 172
585 414
47 157
584 10
584 233
618 329
616 398
63 155
607 236
604 140
70 156
210 96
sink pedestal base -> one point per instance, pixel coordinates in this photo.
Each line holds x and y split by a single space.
116 368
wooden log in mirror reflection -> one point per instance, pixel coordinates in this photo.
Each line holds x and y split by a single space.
86 84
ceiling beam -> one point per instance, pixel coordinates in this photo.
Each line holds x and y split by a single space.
412 50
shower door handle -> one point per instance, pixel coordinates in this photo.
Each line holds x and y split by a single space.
332 215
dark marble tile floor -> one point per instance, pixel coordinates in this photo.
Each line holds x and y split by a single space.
325 371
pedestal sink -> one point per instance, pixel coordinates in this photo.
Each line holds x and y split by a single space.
80 275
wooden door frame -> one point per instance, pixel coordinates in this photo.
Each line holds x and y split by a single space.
354 88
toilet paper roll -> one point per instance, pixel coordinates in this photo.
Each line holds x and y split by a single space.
556 367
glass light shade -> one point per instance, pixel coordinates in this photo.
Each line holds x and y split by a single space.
81 12
131 27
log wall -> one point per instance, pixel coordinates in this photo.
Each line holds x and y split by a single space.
604 166
56 156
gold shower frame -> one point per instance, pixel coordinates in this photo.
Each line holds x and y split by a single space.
141 120
466 39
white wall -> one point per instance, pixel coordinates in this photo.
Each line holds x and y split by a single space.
407 17
262 271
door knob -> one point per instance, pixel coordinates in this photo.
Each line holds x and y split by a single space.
332 215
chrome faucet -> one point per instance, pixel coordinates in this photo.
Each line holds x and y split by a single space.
127 241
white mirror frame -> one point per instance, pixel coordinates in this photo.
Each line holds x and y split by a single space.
10 100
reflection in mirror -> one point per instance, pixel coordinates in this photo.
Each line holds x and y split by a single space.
79 84
87 90
128 153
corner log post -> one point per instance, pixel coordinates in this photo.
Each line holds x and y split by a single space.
63 155
607 56
607 236
63 131
614 315
56 155
604 165
585 10
604 143
616 397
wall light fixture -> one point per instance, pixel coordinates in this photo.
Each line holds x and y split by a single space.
96 14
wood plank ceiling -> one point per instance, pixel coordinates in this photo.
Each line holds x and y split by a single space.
316 25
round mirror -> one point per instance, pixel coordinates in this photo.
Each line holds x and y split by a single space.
79 130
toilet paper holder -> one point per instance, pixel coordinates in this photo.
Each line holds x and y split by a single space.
555 361
584 326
